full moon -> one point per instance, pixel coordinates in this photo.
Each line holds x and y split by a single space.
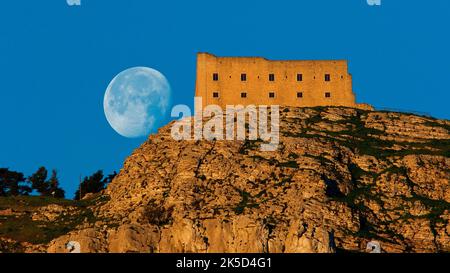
137 101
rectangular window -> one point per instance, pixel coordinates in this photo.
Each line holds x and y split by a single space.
243 95
215 94
271 77
299 94
299 77
327 77
271 95
215 77
327 95
243 77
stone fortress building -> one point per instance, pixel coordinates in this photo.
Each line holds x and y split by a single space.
255 80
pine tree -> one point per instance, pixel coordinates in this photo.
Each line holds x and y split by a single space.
53 186
46 187
13 183
93 184
38 181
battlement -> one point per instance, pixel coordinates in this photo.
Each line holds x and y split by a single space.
259 81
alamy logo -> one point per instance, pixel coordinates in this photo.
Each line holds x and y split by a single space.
73 247
373 247
74 2
209 123
374 2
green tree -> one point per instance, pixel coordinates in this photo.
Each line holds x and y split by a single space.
93 184
46 187
13 183
38 181
53 186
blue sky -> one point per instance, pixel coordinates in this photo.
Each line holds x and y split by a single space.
56 61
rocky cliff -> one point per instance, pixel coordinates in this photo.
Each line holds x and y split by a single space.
341 177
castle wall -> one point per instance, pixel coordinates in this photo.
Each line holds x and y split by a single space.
285 85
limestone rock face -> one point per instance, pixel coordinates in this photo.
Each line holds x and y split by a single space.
340 178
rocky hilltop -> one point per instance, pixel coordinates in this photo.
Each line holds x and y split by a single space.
341 177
